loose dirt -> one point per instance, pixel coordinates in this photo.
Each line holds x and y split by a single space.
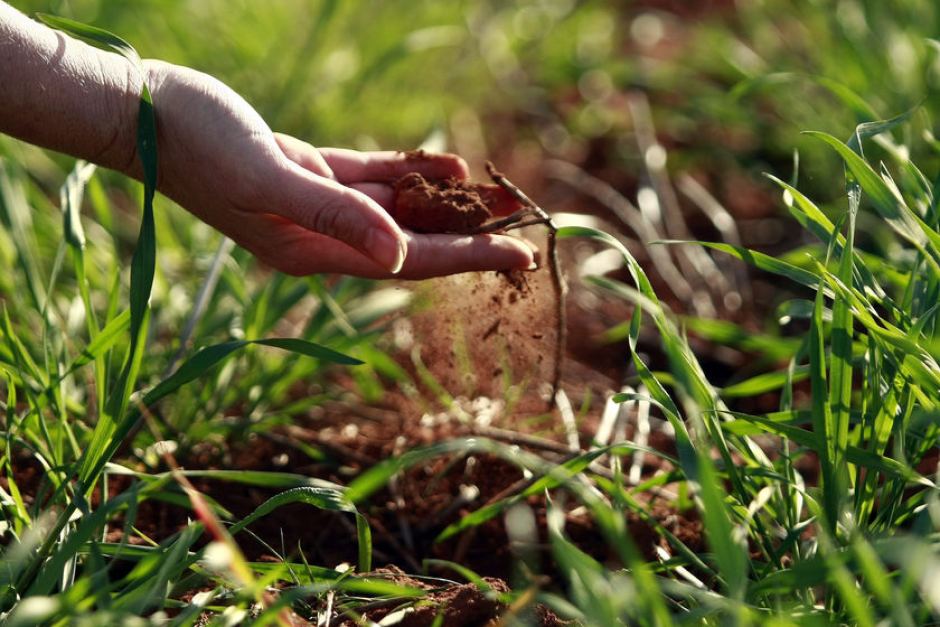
485 334
476 334
448 206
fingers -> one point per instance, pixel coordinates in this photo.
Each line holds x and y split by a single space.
329 208
303 154
370 172
301 252
438 255
351 166
381 193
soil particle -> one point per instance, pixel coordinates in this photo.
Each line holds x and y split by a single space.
518 280
448 206
474 333
419 154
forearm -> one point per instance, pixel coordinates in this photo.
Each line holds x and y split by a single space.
62 94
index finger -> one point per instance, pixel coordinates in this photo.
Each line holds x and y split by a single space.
352 166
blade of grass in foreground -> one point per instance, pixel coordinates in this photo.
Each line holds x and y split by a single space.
759 260
840 369
729 548
93 461
143 263
889 204
322 498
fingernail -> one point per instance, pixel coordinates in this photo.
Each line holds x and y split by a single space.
536 255
387 250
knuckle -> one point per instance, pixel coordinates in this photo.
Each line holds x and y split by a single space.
326 210
336 218
327 218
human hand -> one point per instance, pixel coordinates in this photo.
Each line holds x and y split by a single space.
299 209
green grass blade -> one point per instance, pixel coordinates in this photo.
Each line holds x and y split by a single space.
107 439
808 214
88 527
151 580
321 498
766 382
840 368
729 549
143 263
889 204
206 358
70 201
92 34
759 260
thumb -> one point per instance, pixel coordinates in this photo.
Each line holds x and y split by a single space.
332 209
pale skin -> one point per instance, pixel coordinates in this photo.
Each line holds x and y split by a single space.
299 209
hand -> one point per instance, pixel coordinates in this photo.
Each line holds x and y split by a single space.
299 209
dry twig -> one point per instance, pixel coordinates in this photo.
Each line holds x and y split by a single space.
532 214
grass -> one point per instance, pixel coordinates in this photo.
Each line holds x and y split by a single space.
821 511
865 435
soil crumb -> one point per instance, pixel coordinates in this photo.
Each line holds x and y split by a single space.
518 281
448 206
418 154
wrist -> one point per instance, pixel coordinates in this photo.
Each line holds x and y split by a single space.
122 108
123 154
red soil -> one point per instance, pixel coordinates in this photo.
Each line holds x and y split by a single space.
448 206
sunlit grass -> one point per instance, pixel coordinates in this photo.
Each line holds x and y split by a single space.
100 378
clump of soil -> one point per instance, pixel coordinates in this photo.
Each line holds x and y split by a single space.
418 154
447 206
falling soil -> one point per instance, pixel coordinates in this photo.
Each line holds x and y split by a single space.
486 334
477 333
